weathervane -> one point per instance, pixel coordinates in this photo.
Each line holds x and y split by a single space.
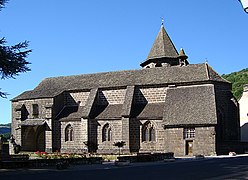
162 19
206 60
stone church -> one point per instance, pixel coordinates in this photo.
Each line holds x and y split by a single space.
168 105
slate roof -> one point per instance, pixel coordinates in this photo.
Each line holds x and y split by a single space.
111 111
148 111
51 87
70 113
162 46
33 122
114 111
192 105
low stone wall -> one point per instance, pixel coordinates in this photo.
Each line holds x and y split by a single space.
147 157
4 153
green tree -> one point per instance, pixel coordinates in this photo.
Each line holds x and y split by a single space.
12 58
6 136
119 144
238 79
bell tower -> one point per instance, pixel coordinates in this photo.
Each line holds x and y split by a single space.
163 52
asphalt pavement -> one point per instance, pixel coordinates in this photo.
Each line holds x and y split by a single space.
212 167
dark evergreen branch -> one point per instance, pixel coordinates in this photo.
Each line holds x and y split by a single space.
2 3
3 94
12 59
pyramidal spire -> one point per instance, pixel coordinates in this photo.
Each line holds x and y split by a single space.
162 47
183 58
182 54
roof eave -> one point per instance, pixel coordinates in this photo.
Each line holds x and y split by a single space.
149 60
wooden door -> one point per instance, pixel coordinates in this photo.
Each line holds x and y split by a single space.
189 147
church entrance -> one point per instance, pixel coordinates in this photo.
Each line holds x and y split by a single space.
189 147
33 138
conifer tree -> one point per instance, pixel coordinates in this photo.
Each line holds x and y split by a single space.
12 58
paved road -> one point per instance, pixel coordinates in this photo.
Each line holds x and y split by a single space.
211 169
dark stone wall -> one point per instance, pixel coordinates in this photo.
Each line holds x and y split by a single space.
227 113
135 136
228 127
206 141
31 138
56 125
93 134
203 142
174 141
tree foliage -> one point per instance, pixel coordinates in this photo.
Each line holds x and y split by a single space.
119 144
12 58
2 2
6 135
5 130
238 80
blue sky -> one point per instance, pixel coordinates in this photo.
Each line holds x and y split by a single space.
80 36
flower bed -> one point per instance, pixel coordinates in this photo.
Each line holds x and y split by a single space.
57 155
50 160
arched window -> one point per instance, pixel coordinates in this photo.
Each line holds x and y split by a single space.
148 132
109 134
106 133
69 133
152 134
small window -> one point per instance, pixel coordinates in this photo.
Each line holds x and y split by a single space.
35 110
69 133
106 133
189 133
148 132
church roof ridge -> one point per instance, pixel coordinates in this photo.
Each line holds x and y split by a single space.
51 87
213 75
